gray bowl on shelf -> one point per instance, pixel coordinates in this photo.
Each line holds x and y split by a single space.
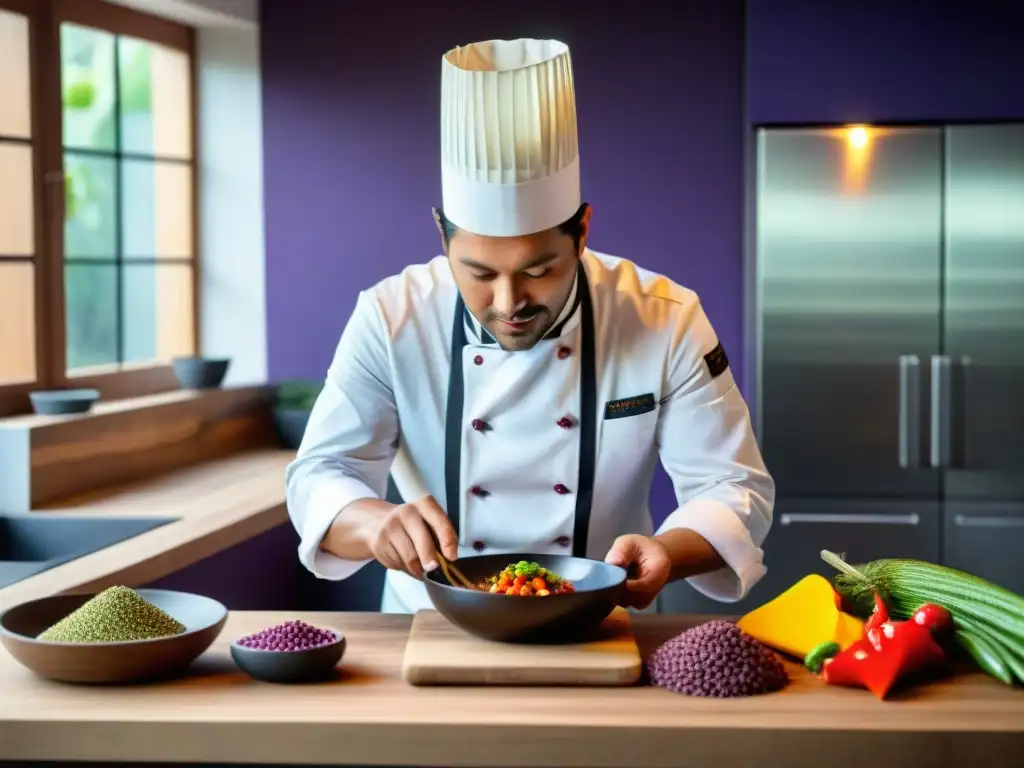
115 662
305 666
200 372
290 424
598 588
60 402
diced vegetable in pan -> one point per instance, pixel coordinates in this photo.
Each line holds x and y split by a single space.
524 579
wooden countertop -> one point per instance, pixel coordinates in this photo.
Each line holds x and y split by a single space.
370 716
218 504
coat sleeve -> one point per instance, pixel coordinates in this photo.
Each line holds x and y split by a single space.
349 443
708 448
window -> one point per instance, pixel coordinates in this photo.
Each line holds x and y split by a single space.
19 199
98 260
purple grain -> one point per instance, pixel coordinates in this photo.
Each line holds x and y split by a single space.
289 636
716 659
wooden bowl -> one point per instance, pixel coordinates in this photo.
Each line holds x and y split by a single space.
598 588
117 662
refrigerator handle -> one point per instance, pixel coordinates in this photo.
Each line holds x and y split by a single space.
941 411
851 518
910 411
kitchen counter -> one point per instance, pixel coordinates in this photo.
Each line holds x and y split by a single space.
369 716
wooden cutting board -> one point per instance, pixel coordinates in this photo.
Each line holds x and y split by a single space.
439 653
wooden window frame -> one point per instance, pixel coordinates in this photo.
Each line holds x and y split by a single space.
45 18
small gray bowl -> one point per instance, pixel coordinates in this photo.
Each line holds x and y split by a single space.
290 424
290 666
60 402
200 372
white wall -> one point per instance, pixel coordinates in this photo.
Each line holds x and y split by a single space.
201 13
244 11
233 314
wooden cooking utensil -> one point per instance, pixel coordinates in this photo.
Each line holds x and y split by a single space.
450 570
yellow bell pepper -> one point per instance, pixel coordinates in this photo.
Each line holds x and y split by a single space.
804 616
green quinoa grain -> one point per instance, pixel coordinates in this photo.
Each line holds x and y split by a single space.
114 615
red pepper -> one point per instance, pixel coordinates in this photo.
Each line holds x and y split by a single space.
888 651
934 617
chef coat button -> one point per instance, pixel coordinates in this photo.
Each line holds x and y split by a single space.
479 360
562 541
565 422
479 425
561 489
476 490
564 352
479 546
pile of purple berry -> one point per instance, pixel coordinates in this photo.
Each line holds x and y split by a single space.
716 659
290 636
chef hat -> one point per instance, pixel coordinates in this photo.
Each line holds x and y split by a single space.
509 153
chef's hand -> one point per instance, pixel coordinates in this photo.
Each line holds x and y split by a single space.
404 540
647 564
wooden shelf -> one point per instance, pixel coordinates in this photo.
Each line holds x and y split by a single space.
49 458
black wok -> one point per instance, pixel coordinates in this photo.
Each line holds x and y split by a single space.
598 588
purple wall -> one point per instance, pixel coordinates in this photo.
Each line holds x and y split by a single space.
351 128
833 61
351 102
261 574
351 139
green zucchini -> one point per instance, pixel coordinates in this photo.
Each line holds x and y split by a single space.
906 584
1009 655
985 655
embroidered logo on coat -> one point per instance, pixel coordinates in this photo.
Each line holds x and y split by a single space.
717 361
629 406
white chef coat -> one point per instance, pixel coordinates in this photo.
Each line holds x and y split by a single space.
662 388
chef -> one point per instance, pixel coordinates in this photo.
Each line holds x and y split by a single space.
521 388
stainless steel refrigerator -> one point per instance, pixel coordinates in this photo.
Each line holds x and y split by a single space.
889 398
